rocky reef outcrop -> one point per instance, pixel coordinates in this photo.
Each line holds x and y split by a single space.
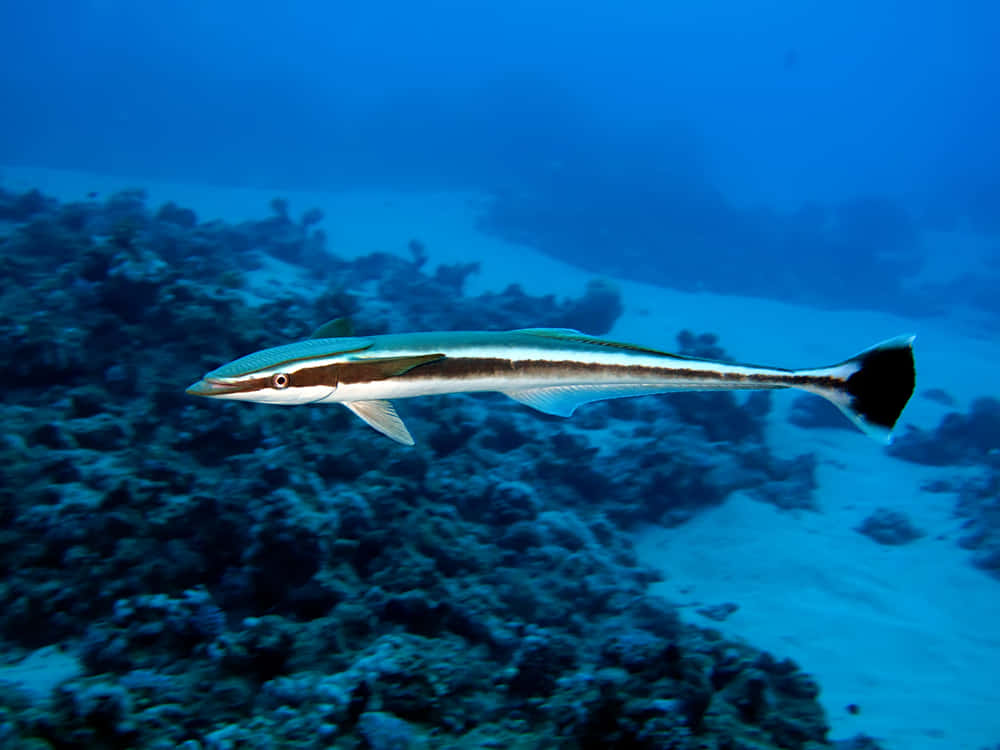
235 576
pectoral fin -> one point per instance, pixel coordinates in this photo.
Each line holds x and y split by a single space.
382 416
562 400
377 368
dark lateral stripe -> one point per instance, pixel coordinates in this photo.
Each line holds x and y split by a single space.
328 375
467 368
470 368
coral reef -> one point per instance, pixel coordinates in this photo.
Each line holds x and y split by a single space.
959 439
228 576
970 441
978 505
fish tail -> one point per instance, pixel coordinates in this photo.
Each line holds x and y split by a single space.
872 387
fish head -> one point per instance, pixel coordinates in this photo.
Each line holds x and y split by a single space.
278 388
305 372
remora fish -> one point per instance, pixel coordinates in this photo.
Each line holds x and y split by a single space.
552 370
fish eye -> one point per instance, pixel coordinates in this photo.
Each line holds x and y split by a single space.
280 380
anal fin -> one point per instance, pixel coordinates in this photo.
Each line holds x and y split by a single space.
382 416
562 400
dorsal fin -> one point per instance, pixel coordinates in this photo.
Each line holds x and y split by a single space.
337 328
568 335
553 332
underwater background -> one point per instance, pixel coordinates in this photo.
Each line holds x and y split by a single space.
786 183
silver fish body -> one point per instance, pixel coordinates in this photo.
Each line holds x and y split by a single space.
552 370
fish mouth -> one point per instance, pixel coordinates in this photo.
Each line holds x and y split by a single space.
211 387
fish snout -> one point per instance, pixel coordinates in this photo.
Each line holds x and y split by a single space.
210 387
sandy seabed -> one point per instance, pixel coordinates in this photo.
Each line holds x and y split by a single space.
908 634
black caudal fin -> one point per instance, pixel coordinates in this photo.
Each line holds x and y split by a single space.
873 387
884 382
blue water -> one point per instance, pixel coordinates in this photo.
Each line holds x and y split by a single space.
772 104
841 156
734 130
